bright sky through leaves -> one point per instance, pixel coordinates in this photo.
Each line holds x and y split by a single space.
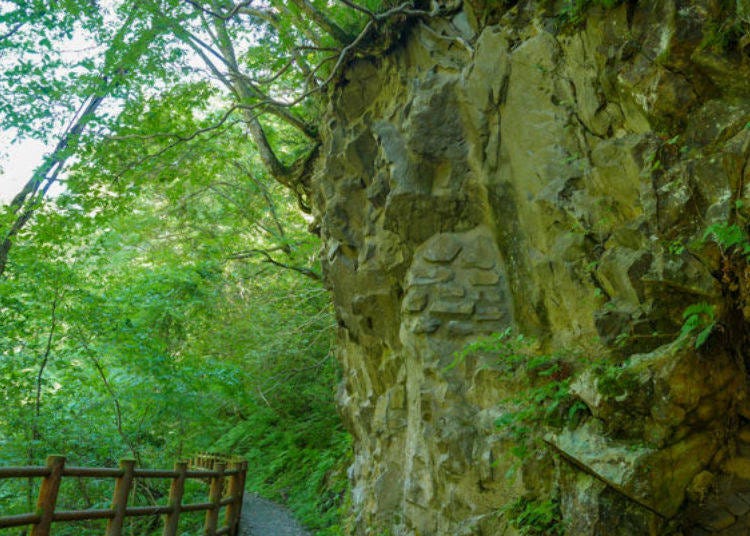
17 164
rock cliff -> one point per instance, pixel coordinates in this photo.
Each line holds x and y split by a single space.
574 183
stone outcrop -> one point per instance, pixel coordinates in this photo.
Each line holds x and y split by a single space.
498 168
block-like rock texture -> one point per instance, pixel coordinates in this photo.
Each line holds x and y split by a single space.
500 167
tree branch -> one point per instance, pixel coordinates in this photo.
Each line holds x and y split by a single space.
10 33
25 204
269 203
113 396
172 145
34 191
328 25
237 82
295 176
359 8
35 433
266 152
307 272
237 8
174 135
267 16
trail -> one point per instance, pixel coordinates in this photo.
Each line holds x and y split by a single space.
261 517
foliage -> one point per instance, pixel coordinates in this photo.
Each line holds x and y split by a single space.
572 11
174 270
547 404
534 517
729 237
614 380
726 31
280 450
263 66
699 321
509 350
544 397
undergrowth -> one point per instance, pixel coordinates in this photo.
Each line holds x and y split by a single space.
297 463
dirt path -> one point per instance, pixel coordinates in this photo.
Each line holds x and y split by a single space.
265 518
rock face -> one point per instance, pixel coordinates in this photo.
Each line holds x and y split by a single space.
497 169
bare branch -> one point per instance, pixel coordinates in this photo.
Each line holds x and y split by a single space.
10 33
358 8
307 272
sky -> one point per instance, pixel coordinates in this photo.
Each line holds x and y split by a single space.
17 164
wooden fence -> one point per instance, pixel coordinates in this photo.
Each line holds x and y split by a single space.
225 476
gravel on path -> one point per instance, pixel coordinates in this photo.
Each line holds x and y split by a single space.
261 517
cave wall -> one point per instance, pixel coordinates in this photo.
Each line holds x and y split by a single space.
495 168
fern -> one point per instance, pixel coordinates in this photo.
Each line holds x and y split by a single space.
729 236
533 517
699 320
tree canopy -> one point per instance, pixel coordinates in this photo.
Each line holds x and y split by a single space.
262 64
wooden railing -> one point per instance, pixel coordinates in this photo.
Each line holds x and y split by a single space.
225 476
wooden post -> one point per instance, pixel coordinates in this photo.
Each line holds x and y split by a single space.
120 498
236 491
217 485
175 500
47 499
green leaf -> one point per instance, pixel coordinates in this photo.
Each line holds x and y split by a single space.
702 337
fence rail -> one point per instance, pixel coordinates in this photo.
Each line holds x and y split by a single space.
224 475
